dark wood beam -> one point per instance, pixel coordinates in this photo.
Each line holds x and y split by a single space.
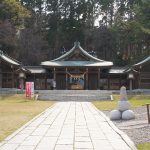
66 79
98 78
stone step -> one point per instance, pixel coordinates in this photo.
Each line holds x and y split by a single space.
47 97
74 95
9 91
74 92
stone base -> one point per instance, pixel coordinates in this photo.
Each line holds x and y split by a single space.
115 115
128 114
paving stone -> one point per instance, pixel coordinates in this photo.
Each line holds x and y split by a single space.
68 126
82 139
26 131
26 148
18 139
119 144
82 149
31 140
9 147
84 145
47 143
65 141
64 147
53 132
41 130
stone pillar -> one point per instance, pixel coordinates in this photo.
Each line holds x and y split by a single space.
22 86
130 85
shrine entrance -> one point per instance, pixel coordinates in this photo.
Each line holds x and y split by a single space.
76 81
77 69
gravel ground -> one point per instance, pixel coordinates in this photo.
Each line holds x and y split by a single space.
137 129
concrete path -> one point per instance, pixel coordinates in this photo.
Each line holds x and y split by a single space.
69 126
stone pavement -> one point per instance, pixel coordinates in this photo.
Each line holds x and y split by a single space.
69 126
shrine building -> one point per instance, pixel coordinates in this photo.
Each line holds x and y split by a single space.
74 70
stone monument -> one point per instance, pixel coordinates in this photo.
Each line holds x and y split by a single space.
123 111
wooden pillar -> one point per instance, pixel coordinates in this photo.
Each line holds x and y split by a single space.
13 77
108 82
35 82
55 84
86 78
66 80
54 74
45 81
98 78
120 82
0 77
140 77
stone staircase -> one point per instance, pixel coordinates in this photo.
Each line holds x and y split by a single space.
9 91
74 95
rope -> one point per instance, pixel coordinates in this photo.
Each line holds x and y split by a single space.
76 76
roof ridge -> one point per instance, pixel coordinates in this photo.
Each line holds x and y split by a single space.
77 45
142 61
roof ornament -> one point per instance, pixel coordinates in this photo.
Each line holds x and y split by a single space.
76 43
1 52
62 50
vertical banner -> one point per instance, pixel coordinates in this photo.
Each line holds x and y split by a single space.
29 89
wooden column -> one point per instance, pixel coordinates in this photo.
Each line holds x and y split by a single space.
55 79
140 77
86 78
54 74
45 81
35 82
98 78
108 82
13 77
120 78
0 77
66 80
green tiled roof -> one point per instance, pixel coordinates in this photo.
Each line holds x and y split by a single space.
76 63
35 69
61 61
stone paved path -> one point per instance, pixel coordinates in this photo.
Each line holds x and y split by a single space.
69 126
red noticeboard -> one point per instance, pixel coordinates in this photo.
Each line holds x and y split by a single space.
29 89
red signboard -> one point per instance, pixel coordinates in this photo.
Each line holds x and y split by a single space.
30 89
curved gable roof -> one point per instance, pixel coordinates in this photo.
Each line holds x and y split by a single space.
77 46
142 62
8 59
61 61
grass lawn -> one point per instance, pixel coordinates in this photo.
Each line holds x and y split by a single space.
145 146
16 110
136 101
